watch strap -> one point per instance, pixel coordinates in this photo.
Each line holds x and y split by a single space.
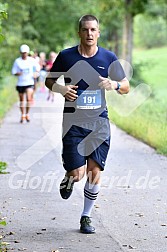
118 86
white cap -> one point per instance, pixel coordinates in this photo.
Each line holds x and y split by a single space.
24 48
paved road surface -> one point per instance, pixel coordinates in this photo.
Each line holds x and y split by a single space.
130 213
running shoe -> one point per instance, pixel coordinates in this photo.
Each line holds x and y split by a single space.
85 227
27 118
22 118
66 187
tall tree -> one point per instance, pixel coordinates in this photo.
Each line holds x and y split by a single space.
111 19
131 8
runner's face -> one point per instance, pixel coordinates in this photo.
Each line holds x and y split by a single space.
24 55
89 33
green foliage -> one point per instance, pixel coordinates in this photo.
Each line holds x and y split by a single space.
52 25
152 25
3 15
138 69
2 37
3 11
60 26
149 121
3 223
111 30
157 8
2 244
153 30
135 6
3 166
155 76
8 95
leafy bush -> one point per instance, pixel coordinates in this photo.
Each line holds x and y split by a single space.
150 32
8 95
138 68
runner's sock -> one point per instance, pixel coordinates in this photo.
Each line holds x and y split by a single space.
90 195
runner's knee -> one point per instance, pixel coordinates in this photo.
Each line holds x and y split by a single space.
93 175
77 174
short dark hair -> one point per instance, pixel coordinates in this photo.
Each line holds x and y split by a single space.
87 18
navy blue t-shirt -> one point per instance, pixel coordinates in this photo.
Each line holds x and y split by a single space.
84 73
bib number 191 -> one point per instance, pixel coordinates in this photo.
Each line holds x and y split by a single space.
89 99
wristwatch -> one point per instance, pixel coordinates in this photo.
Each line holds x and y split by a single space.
118 86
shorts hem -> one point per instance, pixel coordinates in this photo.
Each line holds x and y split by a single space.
71 169
101 166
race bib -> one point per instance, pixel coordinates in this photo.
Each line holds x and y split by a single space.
26 71
89 99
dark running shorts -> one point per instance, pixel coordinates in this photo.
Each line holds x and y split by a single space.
86 140
22 90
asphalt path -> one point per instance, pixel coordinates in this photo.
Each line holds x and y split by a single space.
130 213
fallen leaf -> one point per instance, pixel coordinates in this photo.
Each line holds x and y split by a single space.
140 214
3 218
3 223
131 247
96 206
11 233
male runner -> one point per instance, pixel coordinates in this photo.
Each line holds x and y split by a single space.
86 129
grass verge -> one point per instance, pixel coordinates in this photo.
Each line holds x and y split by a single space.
8 95
149 121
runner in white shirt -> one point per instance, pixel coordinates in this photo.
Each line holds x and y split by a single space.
25 68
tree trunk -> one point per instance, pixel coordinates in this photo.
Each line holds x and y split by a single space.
127 37
114 42
116 39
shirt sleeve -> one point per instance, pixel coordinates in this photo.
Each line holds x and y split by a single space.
116 71
57 68
15 68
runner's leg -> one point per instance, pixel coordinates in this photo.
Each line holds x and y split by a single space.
29 94
92 187
66 186
91 190
21 100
